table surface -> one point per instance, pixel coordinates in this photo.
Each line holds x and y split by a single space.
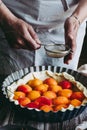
9 116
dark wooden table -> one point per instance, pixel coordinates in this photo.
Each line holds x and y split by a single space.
9 116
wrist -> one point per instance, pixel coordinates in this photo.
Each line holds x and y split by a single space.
7 17
76 18
10 20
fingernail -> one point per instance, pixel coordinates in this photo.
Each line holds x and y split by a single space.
67 62
37 46
38 41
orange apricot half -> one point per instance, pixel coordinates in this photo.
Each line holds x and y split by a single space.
33 95
65 92
46 108
60 100
75 102
49 94
77 95
59 107
24 101
55 88
42 87
35 82
50 81
18 94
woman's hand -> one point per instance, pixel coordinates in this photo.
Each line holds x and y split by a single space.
71 28
21 35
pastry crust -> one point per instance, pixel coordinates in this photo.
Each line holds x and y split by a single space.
43 75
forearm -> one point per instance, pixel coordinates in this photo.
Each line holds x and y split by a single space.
6 16
81 11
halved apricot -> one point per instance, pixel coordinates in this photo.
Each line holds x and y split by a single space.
24 88
18 94
65 92
42 87
32 105
41 101
49 94
59 107
33 95
50 81
66 84
77 95
46 108
35 82
24 101
55 88
75 102
60 100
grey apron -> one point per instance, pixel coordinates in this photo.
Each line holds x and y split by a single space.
47 18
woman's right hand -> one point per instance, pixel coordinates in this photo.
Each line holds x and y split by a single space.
21 35
18 33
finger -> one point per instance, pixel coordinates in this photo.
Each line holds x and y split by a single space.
70 56
30 41
22 44
18 44
69 38
34 35
20 41
72 45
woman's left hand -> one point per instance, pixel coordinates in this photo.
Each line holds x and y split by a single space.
71 28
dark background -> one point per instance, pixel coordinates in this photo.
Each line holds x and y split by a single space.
83 56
